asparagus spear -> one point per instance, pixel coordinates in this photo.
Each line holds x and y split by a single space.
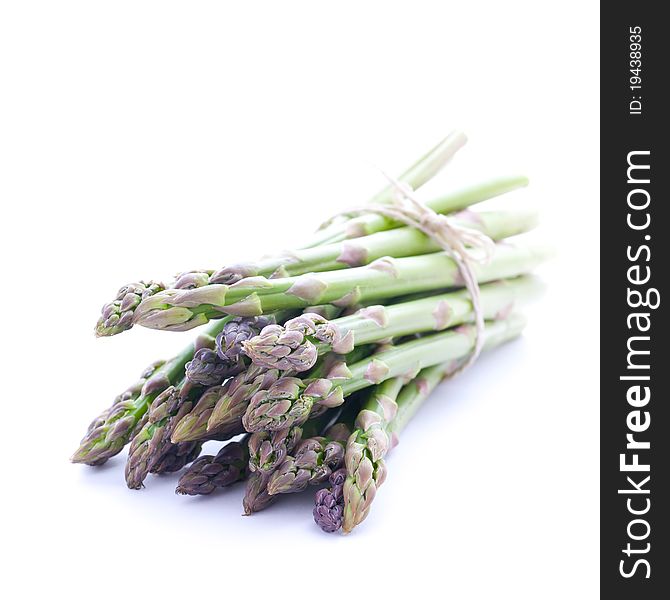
176 458
300 341
400 242
378 426
113 430
208 369
205 365
208 473
256 496
291 400
117 315
329 503
367 446
109 438
122 400
180 310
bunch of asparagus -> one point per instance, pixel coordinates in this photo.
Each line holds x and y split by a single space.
312 361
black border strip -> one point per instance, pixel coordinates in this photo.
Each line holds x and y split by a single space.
635 558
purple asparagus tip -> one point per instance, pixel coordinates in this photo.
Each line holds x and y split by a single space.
117 316
286 347
235 332
256 495
211 367
206 368
329 503
209 473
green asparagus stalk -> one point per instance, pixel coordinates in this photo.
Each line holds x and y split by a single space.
455 201
290 400
179 310
111 433
377 429
400 242
298 343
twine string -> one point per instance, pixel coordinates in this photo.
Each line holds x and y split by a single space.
467 247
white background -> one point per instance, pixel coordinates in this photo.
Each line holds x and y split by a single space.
143 138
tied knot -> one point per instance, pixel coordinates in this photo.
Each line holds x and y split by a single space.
460 242
434 222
